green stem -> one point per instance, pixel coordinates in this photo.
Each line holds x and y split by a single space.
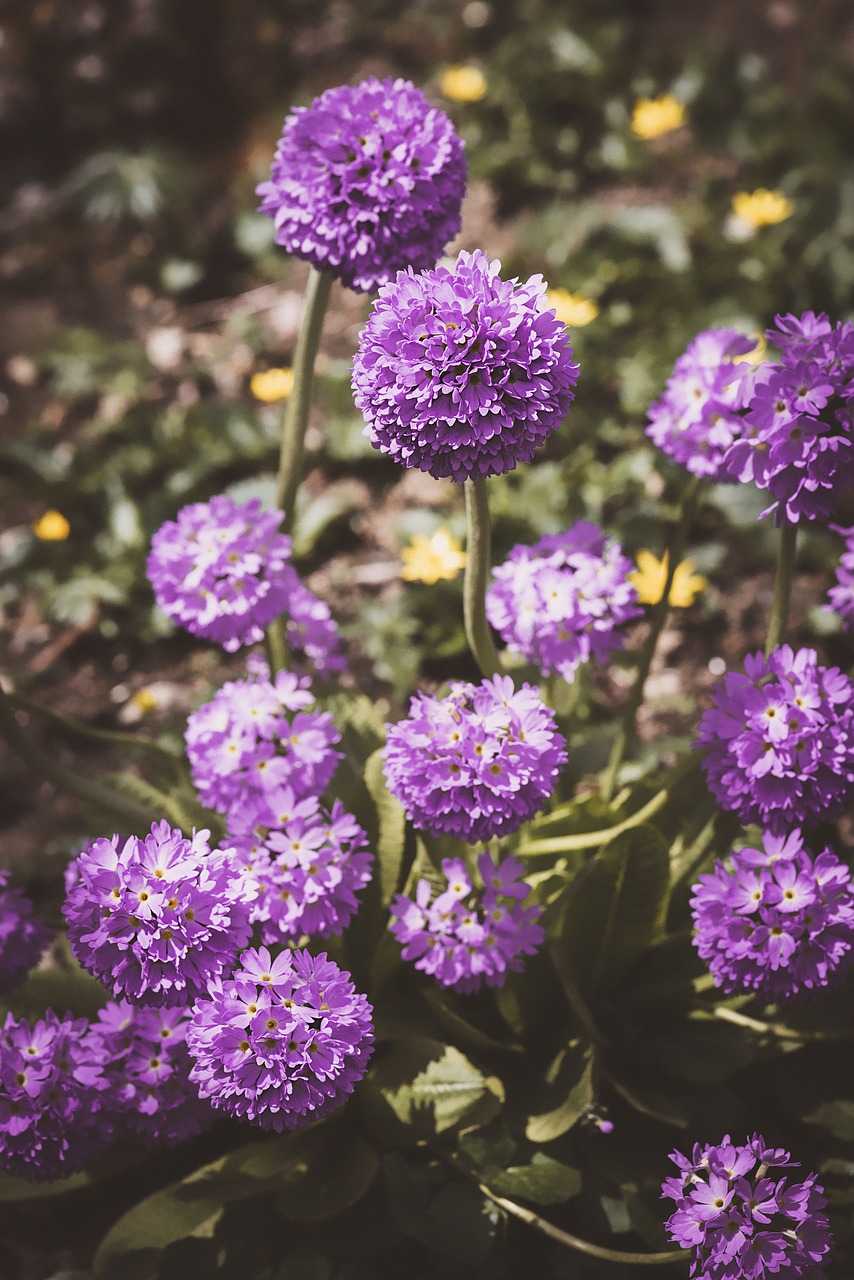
295 420
81 730
276 646
657 621
775 1029
478 566
782 586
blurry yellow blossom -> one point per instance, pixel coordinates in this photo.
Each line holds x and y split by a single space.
762 208
653 117
756 356
272 385
651 575
463 84
144 701
573 309
429 559
52 527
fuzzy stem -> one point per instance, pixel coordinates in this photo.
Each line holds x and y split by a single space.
478 565
786 550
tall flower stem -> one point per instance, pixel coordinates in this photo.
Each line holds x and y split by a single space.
658 618
786 550
478 565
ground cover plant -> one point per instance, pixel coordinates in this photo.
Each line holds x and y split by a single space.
435 905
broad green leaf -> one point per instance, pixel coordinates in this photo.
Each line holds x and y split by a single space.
431 1087
837 1116
152 1225
452 1217
339 1171
392 827
15 1189
544 1180
570 1090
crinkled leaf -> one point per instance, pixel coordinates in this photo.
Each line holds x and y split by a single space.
569 1090
430 1087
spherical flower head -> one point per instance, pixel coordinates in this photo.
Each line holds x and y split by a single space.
779 740
256 737
22 939
149 1097
560 602
461 373
841 595
477 763
156 919
311 632
366 181
778 922
219 570
51 1090
469 935
742 1218
701 412
282 1042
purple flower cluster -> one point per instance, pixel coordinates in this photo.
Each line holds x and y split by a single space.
366 181
51 1083
779 740
461 373
218 570
310 630
741 1218
156 919
256 737
477 763
799 428
308 870
281 1043
22 939
560 601
468 936
841 596
700 414
779 922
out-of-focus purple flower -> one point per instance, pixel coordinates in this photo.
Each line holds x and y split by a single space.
841 596
559 602
469 935
283 1042
461 373
366 181
701 412
253 738
146 1066
218 570
779 740
310 630
157 919
477 763
22 939
741 1219
51 1092
778 923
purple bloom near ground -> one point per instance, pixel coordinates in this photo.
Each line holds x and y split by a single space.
560 602
281 1043
742 1217
22 939
461 373
366 181
476 763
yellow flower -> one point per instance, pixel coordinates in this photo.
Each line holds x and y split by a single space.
463 84
651 575
762 208
272 385
653 117
429 559
573 309
144 701
52 527
754 357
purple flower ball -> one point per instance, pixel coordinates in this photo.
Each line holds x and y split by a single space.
156 919
841 596
778 923
22 939
741 1218
477 763
559 602
220 570
461 373
779 740
281 1043
367 181
467 935
311 632
51 1095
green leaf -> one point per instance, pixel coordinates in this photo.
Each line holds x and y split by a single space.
431 1087
153 1224
837 1116
453 1218
339 1170
392 827
544 1180
14 1189
569 1089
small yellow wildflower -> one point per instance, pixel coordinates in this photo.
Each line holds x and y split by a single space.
272 385
52 527
653 117
651 575
762 208
574 309
463 84
144 701
754 357
429 559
